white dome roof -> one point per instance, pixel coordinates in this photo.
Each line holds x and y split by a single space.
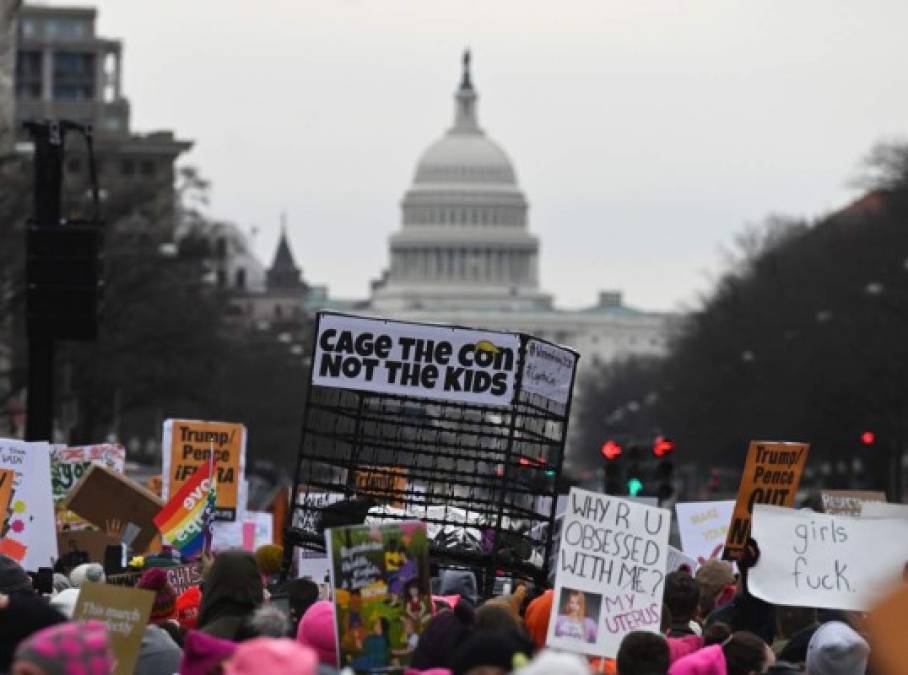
465 158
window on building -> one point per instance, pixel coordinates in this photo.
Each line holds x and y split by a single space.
222 278
148 167
128 167
278 312
241 278
220 248
28 27
74 75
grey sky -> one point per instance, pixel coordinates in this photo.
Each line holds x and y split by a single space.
644 132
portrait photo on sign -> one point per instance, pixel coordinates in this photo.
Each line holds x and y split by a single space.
578 616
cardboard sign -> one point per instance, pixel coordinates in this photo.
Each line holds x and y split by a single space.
887 625
772 474
703 527
29 539
186 446
69 464
382 598
411 359
384 483
104 495
812 559
549 371
92 542
125 612
609 573
849 502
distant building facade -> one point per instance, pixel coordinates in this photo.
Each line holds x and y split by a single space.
64 70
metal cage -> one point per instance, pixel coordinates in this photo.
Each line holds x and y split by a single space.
482 477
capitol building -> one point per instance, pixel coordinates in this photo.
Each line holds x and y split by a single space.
464 254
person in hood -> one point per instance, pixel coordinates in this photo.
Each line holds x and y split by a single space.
837 649
231 593
459 582
158 653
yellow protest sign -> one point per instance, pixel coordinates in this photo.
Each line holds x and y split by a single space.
187 445
772 474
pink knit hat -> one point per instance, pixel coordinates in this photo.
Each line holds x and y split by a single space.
69 648
272 655
316 630
707 661
202 652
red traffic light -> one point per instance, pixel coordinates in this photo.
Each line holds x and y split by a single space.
868 438
663 446
611 450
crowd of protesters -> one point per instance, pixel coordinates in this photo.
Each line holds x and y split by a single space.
231 624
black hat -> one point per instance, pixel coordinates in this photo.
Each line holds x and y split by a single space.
491 648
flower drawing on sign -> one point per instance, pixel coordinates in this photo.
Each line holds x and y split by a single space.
19 506
17 526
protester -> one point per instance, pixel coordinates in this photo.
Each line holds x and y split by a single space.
266 621
491 652
642 653
715 579
301 594
459 582
65 601
837 649
159 654
269 558
22 611
61 582
443 636
203 654
537 617
741 654
73 648
682 597
495 616
746 612
316 630
188 608
231 592
87 572
270 655
548 662
795 627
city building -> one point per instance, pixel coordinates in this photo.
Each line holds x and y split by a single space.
464 253
64 70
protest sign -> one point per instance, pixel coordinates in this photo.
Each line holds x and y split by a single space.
548 371
703 527
409 359
678 560
124 611
609 574
185 520
849 502
818 560
384 483
7 476
256 529
382 600
28 539
313 502
884 510
186 446
69 464
103 495
887 625
181 577
772 474
92 542
317 569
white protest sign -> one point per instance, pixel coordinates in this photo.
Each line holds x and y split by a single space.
827 561
31 538
678 560
609 572
703 527
884 510
548 371
410 359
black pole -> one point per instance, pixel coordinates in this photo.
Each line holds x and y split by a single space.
48 171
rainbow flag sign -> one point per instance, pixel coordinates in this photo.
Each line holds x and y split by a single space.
185 519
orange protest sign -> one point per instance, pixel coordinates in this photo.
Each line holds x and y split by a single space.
772 474
186 447
387 484
7 476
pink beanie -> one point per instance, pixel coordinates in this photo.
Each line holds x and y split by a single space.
682 646
316 630
707 661
272 655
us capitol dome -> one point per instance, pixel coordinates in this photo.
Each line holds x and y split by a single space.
464 253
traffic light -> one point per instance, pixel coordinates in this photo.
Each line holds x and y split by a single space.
634 486
868 438
611 450
663 446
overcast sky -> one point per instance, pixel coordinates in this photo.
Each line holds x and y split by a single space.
645 133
